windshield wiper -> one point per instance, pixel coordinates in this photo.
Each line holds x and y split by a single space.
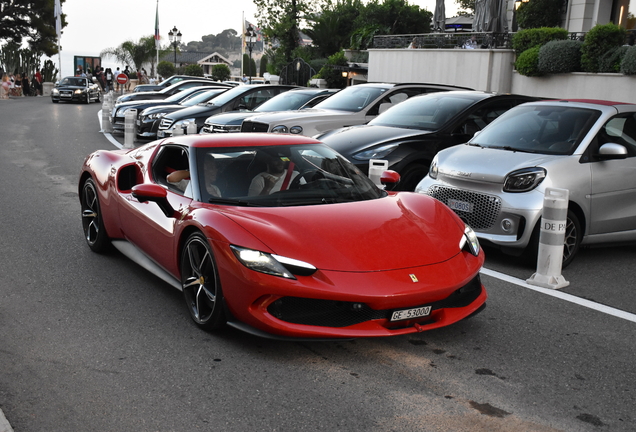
217 200
513 149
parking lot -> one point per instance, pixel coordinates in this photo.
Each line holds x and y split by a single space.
93 342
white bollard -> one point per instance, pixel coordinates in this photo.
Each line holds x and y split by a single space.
376 168
177 131
551 238
129 128
107 126
191 129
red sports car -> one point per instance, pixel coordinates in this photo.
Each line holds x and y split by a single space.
280 236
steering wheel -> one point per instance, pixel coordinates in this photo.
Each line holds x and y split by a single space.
306 174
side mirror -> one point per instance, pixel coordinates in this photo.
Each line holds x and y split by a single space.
390 178
154 193
611 151
384 106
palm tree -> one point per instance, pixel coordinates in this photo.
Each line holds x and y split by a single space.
136 54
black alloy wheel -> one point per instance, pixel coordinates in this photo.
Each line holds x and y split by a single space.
94 231
200 282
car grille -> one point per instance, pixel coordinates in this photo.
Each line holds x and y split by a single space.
249 126
66 94
486 208
216 128
331 313
165 123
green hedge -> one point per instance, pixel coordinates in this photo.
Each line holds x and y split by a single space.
528 62
600 40
525 39
628 65
560 56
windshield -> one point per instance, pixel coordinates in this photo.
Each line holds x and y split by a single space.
279 176
429 112
287 101
352 99
538 129
229 95
183 94
74 81
201 98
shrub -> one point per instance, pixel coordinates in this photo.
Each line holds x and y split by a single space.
334 77
49 71
525 39
611 60
194 70
560 56
528 62
221 72
628 65
598 41
165 69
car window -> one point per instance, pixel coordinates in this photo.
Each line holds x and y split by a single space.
545 129
620 130
394 98
481 117
171 158
253 99
352 99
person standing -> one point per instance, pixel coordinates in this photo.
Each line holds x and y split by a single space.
109 79
26 86
39 79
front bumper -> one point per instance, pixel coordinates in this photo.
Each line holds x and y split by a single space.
332 304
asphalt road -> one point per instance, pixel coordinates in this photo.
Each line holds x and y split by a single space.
93 342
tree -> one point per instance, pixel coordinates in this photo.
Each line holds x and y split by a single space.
165 69
194 70
540 13
136 54
331 30
221 72
395 17
31 20
279 23
467 7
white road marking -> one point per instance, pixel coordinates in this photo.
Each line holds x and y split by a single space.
563 296
108 136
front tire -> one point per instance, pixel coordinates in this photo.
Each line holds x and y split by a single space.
411 176
92 222
200 282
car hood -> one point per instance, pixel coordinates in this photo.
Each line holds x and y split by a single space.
485 164
162 108
70 87
285 117
230 118
354 138
399 231
196 111
135 103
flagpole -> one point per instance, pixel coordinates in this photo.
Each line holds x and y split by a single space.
242 47
157 41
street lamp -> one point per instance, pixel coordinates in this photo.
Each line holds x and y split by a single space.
250 40
174 36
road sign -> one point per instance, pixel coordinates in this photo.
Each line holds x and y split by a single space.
122 78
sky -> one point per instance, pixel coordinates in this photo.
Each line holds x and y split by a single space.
92 29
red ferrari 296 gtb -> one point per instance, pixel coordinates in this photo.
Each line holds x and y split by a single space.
280 236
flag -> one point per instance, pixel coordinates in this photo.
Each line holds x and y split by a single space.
257 30
58 20
157 37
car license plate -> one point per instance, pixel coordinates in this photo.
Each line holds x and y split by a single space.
460 205
411 313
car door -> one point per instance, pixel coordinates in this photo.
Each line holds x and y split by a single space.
254 98
613 197
144 224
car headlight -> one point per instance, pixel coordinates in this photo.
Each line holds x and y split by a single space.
280 129
469 241
524 180
275 265
80 91
378 152
55 91
296 129
184 122
156 115
433 169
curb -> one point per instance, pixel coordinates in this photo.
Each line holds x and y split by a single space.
4 424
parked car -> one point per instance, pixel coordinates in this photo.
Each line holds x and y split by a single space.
497 181
118 113
165 83
76 89
148 120
411 133
352 106
283 264
248 96
169 91
301 98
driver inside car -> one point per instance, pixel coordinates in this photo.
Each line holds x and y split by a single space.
275 178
